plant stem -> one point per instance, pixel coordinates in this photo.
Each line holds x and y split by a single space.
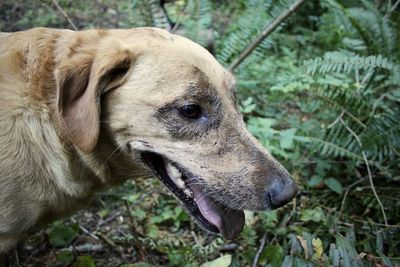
267 31
368 170
64 14
393 8
260 249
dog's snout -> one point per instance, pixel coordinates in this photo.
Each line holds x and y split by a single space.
281 192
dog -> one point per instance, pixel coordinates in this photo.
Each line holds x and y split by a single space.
81 111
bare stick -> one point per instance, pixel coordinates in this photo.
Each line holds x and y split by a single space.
179 19
110 243
346 194
55 3
371 181
260 250
86 231
267 31
393 8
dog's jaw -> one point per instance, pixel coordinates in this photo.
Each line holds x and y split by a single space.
210 214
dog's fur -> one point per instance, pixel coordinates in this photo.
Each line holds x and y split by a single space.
76 108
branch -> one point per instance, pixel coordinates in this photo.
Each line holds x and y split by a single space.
86 231
346 194
55 3
393 8
267 31
260 250
111 244
371 181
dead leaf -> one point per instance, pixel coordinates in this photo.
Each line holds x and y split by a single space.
303 243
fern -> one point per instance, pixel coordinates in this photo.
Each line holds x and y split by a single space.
381 139
250 24
361 91
363 99
342 63
197 21
366 23
148 13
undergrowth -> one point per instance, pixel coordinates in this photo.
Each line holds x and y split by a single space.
322 93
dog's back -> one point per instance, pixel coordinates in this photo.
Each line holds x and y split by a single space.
33 163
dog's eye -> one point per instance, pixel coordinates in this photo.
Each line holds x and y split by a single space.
192 111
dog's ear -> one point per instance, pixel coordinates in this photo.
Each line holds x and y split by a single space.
82 80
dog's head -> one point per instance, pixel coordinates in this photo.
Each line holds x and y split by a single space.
167 103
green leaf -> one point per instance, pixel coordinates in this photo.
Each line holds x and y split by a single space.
249 108
334 185
223 261
287 137
316 215
272 254
152 231
61 235
288 261
315 180
139 214
103 213
65 256
84 261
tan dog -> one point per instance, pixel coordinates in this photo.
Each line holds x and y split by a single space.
83 111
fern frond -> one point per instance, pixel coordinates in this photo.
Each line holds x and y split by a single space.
367 23
159 18
326 148
197 20
250 24
381 138
342 63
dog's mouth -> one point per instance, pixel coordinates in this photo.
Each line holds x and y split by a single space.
209 213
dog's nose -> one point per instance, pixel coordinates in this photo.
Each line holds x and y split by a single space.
281 192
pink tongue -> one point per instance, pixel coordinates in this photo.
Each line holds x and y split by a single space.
228 221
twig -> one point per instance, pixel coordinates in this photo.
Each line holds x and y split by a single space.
110 243
267 31
393 8
107 220
292 212
336 120
55 3
138 245
260 250
347 192
179 19
85 248
380 224
83 229
368 170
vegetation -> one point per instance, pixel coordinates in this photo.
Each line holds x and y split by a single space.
322 93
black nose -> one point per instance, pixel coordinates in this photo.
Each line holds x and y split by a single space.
281 192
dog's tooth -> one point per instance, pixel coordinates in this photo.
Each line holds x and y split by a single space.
188 192
173 172
180 183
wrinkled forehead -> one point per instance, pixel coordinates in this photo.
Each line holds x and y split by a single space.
207 82
188 62
181 78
